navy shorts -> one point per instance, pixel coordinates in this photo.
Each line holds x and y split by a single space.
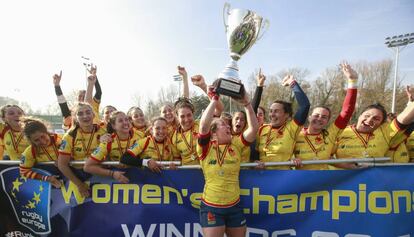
227 216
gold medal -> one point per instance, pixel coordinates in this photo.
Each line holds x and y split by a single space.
220 172
193 157
365 154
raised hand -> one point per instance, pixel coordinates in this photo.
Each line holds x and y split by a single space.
348 71
57 78
409 91
198 80
92 77
182 71
260 78
288 80
245 100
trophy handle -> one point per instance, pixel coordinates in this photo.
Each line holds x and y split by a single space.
226 13
264 28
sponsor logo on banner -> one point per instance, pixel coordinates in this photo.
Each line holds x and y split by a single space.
29 199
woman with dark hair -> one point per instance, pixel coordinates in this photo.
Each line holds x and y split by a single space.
372 135
276 141
155 147
122 137
138 121
43 147
185 136
316 142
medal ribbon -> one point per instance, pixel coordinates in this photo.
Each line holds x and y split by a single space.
120 149
54 149
220 158
160 155
268 139
361 138
311 144
86 149
15 141
189 145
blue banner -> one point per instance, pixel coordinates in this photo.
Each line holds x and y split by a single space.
367 202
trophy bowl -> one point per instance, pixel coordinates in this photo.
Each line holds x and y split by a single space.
243 28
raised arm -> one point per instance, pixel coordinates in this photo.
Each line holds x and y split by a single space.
301 98
91 84
183 73
98 91
63 104
407 115
348 105
258 92
207 116
198 80
252 125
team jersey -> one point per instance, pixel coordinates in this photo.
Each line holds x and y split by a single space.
140 132
245 153
277 144
171 129
113 150
14 142
33 155
316 146
398 154
352 144
184 145
81 146
410 146
148 147
221 168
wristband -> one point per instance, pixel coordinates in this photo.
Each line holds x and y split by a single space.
352 83
61 99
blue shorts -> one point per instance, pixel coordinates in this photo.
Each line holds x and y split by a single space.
227 216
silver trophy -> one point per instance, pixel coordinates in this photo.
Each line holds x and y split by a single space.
243 29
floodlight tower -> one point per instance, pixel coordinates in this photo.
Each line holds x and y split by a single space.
397 43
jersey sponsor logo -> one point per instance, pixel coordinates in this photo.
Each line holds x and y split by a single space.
212 162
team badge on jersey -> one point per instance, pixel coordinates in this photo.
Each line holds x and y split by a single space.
133 145
63 145
211 219
96 151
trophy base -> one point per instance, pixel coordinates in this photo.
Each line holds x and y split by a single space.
230 88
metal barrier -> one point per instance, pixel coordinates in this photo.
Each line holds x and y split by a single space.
368 161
